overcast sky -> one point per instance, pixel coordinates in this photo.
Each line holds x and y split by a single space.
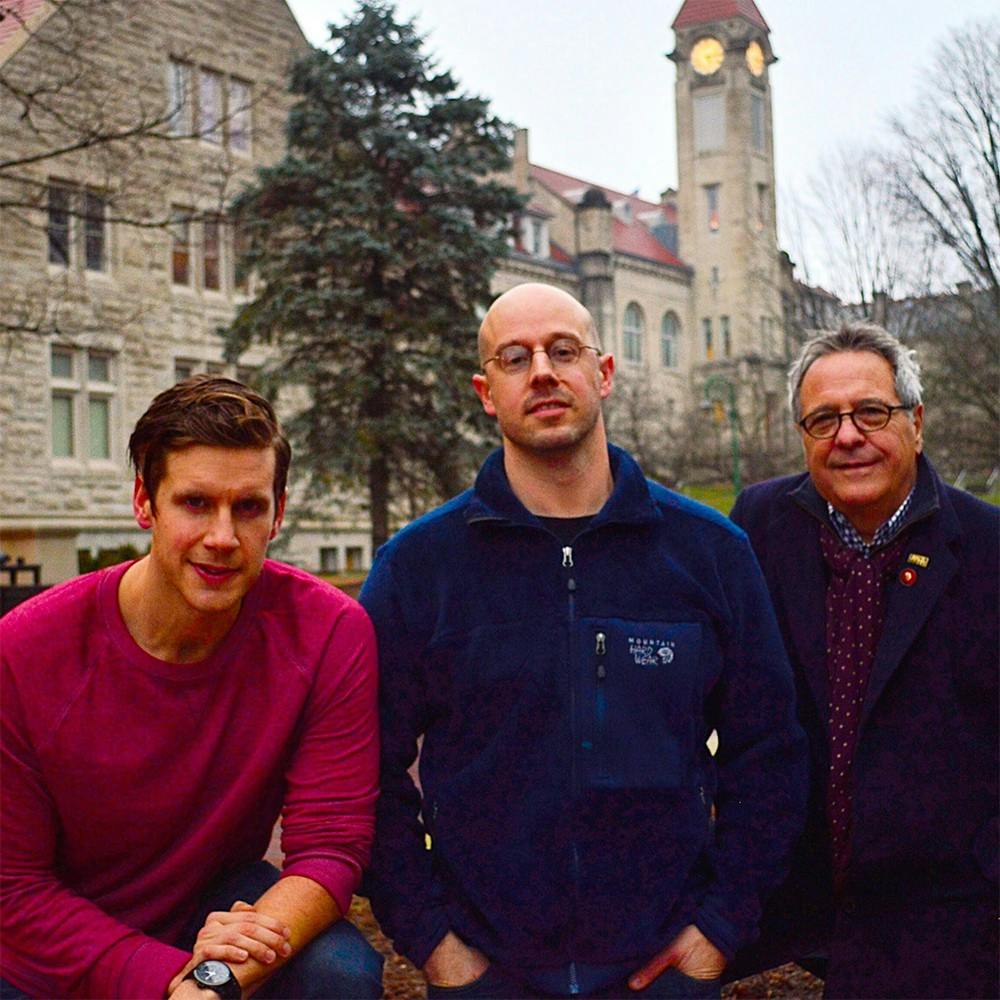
590 81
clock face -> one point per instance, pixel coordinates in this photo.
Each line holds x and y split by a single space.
707 56
755 58
212 973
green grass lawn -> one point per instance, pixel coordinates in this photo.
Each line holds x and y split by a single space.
720 496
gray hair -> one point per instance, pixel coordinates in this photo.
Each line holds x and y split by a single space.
858 337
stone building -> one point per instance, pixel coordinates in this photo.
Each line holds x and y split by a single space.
119 258
125 130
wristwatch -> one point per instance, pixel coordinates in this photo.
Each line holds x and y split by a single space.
217 977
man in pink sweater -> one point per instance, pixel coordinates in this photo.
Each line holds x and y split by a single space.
158 717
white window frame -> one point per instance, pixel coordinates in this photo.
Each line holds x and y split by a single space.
78 228
82 389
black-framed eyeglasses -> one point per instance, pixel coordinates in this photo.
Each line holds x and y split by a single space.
515 359
867 417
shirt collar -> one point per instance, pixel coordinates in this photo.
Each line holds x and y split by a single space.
849 535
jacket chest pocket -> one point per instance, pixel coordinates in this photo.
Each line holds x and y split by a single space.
639 707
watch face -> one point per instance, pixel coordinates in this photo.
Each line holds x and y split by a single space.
707 56
212 973
755 58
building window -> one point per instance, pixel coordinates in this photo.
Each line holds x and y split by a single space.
184 369
211 251
95 231
668 340
709 122
210 106
83 395
727 343
634 330
241 247
761 220
329 560
59 199
757 121
71 245
180 247
354 557
178 98
239 116
712 206
706 329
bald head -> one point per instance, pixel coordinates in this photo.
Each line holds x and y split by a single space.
531 304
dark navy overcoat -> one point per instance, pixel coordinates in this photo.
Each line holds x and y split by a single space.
917 915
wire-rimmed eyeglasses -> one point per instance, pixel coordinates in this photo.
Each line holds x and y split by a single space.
515 359
867 417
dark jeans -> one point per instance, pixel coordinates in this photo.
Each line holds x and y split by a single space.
338 964
495 984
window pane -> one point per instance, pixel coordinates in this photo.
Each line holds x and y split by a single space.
215 368
239 116
633 333
62 426
94 209
354 556
210 106
727 346
712 203
179 98
210 253
180 238
183 370
668 341
62 363
58 226
98 368
329 560
100 428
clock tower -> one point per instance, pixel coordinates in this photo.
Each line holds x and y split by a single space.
726 202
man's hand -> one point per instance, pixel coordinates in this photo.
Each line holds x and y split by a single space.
235 935
690 953
454 963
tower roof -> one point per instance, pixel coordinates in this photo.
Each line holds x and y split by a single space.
695 12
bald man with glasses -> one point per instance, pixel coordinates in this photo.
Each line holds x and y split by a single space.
885 582
564 637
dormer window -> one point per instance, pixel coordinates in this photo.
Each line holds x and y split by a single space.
535 236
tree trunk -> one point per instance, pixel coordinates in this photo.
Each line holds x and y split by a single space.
378 499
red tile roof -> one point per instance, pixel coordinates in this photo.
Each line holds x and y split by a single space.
633 237
557 253
13 14
703 11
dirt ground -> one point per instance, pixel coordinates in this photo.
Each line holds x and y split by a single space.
401 981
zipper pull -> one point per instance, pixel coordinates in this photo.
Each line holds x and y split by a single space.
601 649
567 555
600 644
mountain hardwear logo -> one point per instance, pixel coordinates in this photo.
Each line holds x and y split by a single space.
650 652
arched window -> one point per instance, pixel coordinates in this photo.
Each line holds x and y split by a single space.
669 330
634 331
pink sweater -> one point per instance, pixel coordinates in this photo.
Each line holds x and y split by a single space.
130 784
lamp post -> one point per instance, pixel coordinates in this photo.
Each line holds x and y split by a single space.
711 384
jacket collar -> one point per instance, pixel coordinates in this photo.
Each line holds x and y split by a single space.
927 496
630 502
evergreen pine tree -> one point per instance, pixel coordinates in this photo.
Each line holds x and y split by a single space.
374 240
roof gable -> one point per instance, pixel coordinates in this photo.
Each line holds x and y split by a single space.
633 236
694 12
